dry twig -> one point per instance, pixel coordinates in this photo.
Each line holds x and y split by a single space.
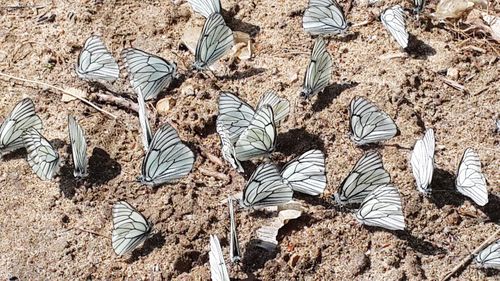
217 175
118 101
60 90
468 258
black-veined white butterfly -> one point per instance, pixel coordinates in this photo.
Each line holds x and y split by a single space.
422 161
227 147
419 6
306 174
319 70
42 157
21 118
167 159
393 19
369 124
78 148
382 208
95 62
205 7
234 246
367 174
236 114
146 134
218 268
148 72
259 138
470 180
130 228
265 188
489 257
324 17
215 40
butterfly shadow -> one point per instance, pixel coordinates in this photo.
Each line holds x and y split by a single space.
418 49
155 241
491 209
247 73
67 182
314 200
298 141
329 94
239 25
418 244
102 168
14 155
256 256
444 192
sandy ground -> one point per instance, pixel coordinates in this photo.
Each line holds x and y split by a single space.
46 225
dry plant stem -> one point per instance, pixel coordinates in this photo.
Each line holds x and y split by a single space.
467 259
212 158
61 90
210 173
89 231
118 101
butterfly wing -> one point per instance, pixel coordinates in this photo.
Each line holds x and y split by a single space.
489 257
95 62
227 147
130 228
148 72
205 7
21 118
319 70
234 246
78 147
146 134
234 114
281 107
324 17
42 157
393 19
167 159
260 136
382 208
265 188
470 180
422 161
367 174
419 6
306 174
218 268
215 40
369 124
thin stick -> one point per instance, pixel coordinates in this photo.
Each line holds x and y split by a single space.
61 90
467 259
214 174
213 158
118 101
362 23
89 231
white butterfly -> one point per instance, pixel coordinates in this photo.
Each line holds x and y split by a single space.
393 19
146 134
215 40
422 161
489 257
259 138
306 174
234 246
419 6
382 208
367 174
319 70
218 268
21 118
470 180
265 188
95 62
78 148
227 147
280 106
130 228
324 17
42 157
205 7
167 159
148 72
369 124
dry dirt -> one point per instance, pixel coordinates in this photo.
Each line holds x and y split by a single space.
45 226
